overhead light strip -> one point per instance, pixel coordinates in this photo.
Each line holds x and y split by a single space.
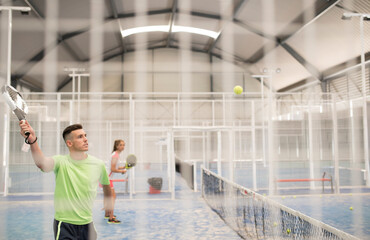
166 28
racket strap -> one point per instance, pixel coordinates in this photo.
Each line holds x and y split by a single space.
26 140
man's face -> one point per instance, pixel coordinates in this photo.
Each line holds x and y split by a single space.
78 141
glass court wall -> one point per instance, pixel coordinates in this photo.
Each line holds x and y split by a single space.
302 136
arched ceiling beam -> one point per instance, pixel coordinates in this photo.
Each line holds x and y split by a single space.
319 8
236 61
236 10
174 9
21 71
172 18
66 45
118 35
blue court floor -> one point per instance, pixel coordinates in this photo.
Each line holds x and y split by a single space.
186 217
347 212
155 216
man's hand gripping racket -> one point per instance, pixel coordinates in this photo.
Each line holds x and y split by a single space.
17 104
130 161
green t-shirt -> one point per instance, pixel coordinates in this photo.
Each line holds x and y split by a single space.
76 183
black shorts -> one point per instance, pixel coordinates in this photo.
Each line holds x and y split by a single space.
64 230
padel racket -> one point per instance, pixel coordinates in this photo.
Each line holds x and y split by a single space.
16 103
130 161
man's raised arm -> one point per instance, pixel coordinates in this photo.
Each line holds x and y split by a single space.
46 164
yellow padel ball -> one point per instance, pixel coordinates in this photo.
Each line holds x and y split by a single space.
238 90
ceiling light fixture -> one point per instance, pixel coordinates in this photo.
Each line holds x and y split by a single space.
349 15
166 28
131 31
194 30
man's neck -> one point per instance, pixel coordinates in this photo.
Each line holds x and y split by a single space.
78 155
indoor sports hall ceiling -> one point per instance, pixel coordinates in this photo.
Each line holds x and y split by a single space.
306 40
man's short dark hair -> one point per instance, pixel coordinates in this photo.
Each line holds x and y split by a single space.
70 129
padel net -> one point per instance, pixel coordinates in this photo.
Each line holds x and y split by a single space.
254 216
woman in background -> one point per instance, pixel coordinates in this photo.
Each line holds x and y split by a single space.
119 146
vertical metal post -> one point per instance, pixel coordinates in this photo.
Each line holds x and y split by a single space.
179 122
310 142
132 144
201 180
172 164
213 113
207 155
204 144
161 156
263 122
168 144
195 184
73 84
6 119
364 107
6 153
9 55
141 139
254 173
219 153
188 147
271 159
223 110
79 98
71 112
6 148
174 114
58 122
353 134
335 145
76 74
231 155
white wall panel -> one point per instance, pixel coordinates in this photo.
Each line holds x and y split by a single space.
166 82
163 71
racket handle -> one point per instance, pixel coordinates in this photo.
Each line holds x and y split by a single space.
26 133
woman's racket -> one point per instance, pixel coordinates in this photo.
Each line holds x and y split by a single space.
130 161
16 103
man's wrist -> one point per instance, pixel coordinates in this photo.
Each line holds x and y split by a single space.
28 141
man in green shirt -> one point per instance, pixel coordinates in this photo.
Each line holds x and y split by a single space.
76 179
